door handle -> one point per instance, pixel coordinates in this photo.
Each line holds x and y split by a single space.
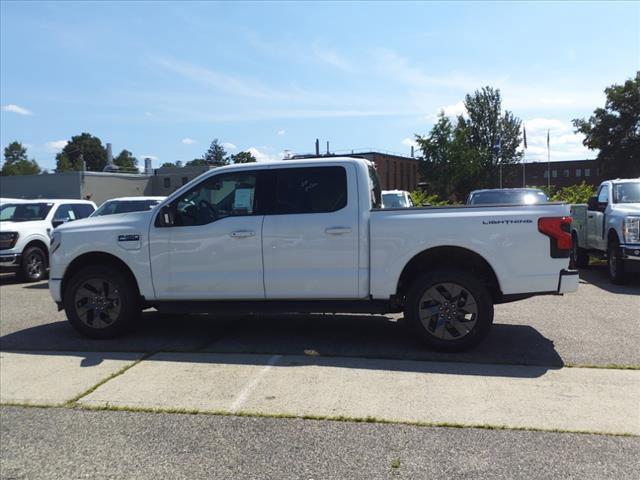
338 230
243 233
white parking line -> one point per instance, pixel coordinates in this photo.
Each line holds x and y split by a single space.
246 391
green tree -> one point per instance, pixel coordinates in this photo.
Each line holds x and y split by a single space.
216 154
84 146
448 163
615 130
243 157
16 161
198 162
493 135
168 165
126 161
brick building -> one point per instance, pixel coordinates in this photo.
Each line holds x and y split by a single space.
563 173
395 171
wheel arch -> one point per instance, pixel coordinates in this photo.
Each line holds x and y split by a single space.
97 258
450 256
612 234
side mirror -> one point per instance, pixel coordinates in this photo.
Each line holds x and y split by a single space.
56 222
592 203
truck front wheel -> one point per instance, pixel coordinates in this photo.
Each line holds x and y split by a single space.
615 263
34 265
101 302
450 310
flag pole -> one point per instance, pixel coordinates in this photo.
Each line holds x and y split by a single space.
524 175
548 162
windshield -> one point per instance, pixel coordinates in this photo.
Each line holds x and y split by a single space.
124 206
24 212
628 192
395 200
502 197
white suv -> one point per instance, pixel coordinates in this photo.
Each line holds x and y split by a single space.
25 229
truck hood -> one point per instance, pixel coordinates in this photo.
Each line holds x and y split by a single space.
34 225
627 208
135 220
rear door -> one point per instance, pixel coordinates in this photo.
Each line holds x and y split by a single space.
310 235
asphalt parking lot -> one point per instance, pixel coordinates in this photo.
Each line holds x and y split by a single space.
595 327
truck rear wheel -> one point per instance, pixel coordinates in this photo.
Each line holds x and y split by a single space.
615 263
579 256
449 309
101 302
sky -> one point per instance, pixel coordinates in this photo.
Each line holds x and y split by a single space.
162 80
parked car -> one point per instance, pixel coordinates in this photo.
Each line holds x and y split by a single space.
609 227
126 205
507 196
309 236
4 200
25 229
396 199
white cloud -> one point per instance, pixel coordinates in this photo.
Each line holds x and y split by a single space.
564 144
409 142
454 110
262 156
229 146
188 141
56 145
152 157
281 132
16 109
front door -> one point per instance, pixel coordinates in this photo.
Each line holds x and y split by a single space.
595 221
310 234
210 246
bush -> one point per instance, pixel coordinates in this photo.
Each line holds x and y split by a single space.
421 197
578 193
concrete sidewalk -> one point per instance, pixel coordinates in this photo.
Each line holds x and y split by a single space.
574 399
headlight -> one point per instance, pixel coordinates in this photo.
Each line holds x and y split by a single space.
631 229
8 240
56 240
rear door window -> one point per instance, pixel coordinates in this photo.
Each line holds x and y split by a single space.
310 190
83 210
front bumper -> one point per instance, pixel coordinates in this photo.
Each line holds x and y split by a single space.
568 281
630 251
10 261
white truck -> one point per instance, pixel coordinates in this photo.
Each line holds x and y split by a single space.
609 226
25 229
309 236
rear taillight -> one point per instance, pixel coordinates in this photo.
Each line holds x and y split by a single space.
558 229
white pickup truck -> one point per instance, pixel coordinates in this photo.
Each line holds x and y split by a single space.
609 226
309 236
25 229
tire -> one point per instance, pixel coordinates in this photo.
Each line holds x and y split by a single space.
579 256
34 265
615 264
101 302
442 324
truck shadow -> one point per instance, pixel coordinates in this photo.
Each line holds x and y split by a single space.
350 341
597 275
